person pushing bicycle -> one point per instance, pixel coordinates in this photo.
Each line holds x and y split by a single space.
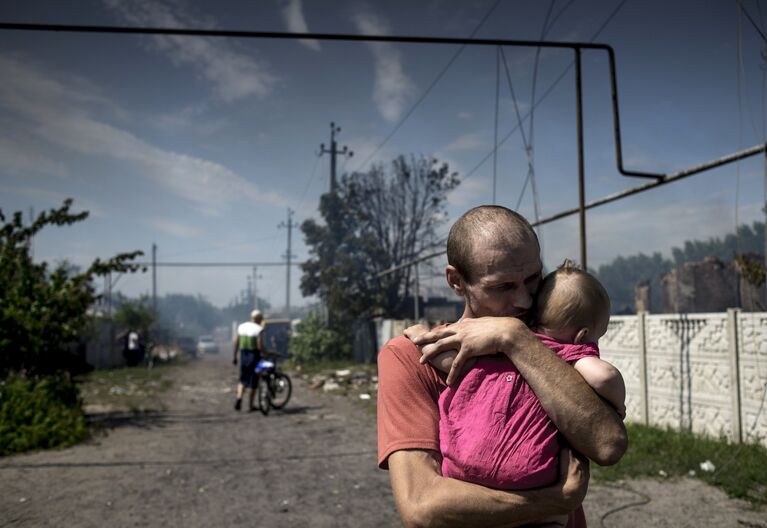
249 341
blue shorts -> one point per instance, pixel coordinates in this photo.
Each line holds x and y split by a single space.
248 361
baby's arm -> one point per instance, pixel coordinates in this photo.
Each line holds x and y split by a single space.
606 381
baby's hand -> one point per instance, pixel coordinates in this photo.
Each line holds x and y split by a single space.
414 331
441 362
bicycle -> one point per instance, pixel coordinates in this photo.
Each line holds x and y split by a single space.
274 387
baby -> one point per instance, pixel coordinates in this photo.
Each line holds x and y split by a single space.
493 430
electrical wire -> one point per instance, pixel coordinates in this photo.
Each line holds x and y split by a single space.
748 16
644 499
547 92
308 183
222 246
428 90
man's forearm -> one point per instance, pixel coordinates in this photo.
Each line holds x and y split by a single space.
589 424
425 498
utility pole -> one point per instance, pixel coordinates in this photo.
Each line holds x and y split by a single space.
154 278
256 276
333 151
288 255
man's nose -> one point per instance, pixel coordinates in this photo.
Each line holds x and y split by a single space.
522 299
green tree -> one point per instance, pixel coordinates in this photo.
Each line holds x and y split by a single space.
747 239
377 220
43 311
313 342
135 315
624 273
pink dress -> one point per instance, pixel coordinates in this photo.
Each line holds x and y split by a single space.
492 428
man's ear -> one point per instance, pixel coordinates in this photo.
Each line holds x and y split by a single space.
454 279
581 336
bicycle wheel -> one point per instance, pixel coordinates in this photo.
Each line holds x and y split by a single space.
264 399
281 390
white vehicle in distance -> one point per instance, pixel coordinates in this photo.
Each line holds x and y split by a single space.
206 345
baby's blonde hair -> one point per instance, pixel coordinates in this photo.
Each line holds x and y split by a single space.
570 297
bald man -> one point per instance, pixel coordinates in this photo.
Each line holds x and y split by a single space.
494 264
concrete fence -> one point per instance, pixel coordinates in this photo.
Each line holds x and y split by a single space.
705 373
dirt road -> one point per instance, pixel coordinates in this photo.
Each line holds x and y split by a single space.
199 463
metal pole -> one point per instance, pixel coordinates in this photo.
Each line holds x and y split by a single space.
287 286
415 294
154 278
581 177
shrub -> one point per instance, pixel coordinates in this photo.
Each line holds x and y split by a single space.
314 342
39 413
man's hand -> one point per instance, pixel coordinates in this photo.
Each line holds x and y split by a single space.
573 478
471 338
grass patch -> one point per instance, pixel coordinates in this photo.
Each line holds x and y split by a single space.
319 367
128 389
740 469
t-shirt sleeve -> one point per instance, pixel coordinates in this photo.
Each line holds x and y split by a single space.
571 352
408 416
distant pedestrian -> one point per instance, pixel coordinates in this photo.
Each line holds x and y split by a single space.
249 341
132 348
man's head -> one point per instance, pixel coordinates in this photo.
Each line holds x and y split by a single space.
256 316
493 262
572 305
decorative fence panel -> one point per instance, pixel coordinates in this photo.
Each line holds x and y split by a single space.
704 373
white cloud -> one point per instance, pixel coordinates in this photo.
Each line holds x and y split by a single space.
191 117
18 157
51 111
293 15
470 141
173 228
469 192
233 75
464 115
392 87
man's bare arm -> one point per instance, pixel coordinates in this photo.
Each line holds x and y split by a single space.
425 498
589 424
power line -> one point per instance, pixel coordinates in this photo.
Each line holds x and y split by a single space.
748 16
428 90
215 264
548 91
309 182
222 246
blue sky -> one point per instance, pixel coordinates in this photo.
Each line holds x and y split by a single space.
200 145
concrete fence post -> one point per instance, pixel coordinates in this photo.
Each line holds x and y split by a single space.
733 347
641 330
